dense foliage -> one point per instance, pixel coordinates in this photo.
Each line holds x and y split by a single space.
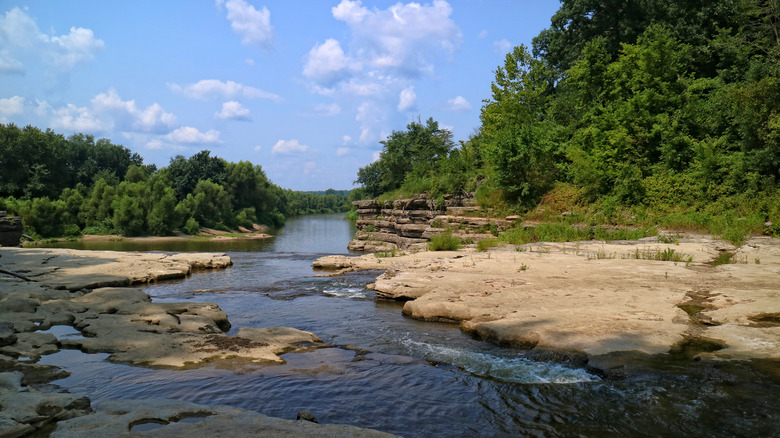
66 186
632 105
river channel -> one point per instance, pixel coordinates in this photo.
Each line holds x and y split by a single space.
407 377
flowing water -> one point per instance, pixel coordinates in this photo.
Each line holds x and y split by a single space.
408 377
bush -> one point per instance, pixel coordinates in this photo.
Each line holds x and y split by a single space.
444 242
192 227
485 244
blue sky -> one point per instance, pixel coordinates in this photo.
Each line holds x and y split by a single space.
306 89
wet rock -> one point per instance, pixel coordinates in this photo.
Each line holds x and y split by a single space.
32 345
595 297
306 416
172 418
25 410
19 303
506 333
7 335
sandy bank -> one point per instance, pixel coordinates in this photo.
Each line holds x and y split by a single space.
41 288
595 297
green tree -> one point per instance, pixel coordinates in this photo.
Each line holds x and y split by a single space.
131 207
212 204
520 142
416 149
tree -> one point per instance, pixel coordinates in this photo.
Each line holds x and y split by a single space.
520 142
416 149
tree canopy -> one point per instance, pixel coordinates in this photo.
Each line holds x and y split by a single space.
673 106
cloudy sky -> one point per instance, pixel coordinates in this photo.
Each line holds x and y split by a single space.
306 89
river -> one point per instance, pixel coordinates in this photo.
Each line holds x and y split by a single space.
407 377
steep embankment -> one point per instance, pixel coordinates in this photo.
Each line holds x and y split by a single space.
403 223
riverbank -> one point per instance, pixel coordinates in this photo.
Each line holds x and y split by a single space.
88 290
207 234
597 299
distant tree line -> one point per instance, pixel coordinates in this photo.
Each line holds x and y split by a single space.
644 105
69 186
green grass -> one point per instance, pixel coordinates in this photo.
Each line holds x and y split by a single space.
563 232
485 244
667 255
444 242
722 259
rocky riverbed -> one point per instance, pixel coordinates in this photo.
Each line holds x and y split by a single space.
593 300
92 292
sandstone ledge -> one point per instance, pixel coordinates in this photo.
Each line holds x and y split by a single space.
594 297
41 288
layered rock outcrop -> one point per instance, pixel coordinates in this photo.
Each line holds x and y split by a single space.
404 223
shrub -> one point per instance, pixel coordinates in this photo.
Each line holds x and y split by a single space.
485 244
444 242
192 227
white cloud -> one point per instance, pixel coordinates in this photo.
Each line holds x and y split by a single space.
502 46
190 135
309 167
8 64
340 152
42 108
458 104
327 110
327 64
347 139
129 118
447 128
483 34
407 100
208 89
78 119
370 117
20 36
252 25
403 38
155 144
11 106
80 45
233 111
258 148
249 61
287 147
375 156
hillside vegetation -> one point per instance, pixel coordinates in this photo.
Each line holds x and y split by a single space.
69 186
639 113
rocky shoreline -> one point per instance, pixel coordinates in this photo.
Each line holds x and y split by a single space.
594 300
89 291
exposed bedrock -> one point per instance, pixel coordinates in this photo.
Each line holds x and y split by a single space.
405 223
595 297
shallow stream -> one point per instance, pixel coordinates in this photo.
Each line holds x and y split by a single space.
408 377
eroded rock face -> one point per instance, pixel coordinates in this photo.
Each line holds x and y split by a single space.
406 223
594 297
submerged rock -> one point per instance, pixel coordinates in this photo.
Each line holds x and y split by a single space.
172 418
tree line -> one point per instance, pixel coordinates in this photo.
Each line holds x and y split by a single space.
69 186
672 107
